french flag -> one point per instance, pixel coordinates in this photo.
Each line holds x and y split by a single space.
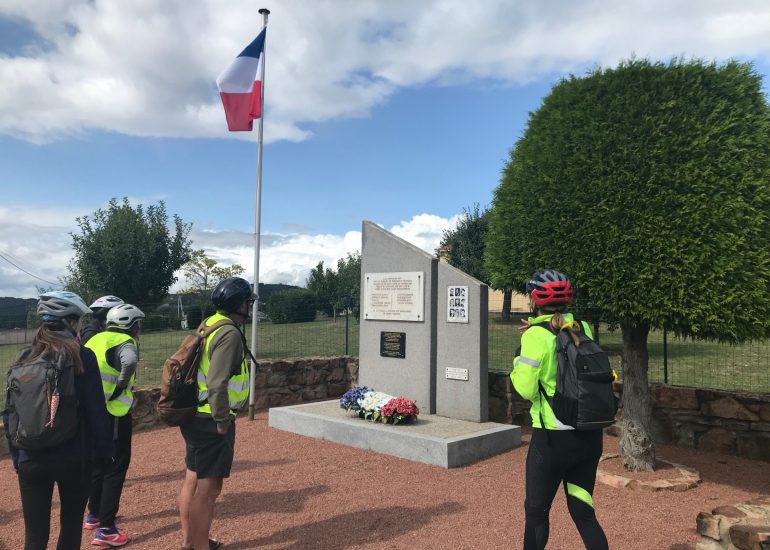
240 87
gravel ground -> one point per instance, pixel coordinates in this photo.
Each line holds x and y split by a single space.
292 492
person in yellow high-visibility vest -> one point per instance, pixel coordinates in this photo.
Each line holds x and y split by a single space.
117 353
223 388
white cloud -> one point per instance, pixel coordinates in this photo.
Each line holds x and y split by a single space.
37 240
147 68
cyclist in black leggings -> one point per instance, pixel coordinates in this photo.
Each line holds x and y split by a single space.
557 453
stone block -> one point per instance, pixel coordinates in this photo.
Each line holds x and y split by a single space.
729 511
727 407
708 525
717 440
748 536
747 447
662 427
760 426
685 436
276 380
708 544
670 397
731 425
337 375
336 390
499 410
764 412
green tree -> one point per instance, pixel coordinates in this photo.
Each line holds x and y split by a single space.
296 305
127 251
648 185
323 282
348 293
464 246
337 290
203 274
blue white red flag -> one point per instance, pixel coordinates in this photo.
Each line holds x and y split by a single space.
240 87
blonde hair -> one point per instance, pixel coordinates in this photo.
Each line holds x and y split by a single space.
558 324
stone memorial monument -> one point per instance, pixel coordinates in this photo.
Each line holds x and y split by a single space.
423 336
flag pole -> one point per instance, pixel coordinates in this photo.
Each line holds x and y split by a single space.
257 210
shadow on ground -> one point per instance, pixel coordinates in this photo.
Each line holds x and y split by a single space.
231 505
177 474
353 529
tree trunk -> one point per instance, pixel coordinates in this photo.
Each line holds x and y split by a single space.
637 448
506 315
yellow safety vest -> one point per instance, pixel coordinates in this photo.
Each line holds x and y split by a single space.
100 344
237 386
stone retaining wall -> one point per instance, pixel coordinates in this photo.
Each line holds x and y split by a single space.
736 423
278 382
729 422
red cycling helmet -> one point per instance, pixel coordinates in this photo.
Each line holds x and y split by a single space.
549 288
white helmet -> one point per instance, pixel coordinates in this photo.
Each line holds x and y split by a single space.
105 303
60 303
124 316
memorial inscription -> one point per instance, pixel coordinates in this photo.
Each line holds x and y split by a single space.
397 296
393 344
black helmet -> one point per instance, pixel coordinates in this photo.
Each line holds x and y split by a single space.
231 293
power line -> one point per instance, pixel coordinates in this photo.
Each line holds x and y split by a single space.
27 272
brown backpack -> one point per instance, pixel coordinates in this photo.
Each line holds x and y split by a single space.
179 385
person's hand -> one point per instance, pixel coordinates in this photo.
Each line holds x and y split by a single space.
525 324
222 428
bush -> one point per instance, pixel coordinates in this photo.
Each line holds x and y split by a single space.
292 306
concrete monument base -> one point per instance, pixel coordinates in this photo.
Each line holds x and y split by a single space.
433 439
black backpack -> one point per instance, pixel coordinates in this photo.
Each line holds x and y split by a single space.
584 398
41 403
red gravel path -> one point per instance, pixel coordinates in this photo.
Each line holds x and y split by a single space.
293 492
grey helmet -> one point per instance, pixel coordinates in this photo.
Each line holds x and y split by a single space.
58 304
124 316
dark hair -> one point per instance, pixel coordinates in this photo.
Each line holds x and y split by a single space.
47 344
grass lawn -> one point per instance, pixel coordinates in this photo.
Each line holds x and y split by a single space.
690 363
697 364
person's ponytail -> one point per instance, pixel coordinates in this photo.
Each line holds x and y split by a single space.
573 327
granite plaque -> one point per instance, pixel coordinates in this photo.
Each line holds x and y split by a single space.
393 344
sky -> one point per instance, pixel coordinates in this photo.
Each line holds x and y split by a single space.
398 112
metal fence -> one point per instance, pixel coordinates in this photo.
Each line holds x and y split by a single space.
164 331
672 360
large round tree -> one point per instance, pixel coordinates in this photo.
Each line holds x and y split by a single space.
649 184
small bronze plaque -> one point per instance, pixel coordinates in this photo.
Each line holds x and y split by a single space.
393 344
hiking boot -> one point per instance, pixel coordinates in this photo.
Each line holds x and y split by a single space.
109 537
91 522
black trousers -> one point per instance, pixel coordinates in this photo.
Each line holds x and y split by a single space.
569 457
109 477
36 481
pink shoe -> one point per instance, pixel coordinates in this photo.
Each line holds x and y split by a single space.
91 522
109 537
